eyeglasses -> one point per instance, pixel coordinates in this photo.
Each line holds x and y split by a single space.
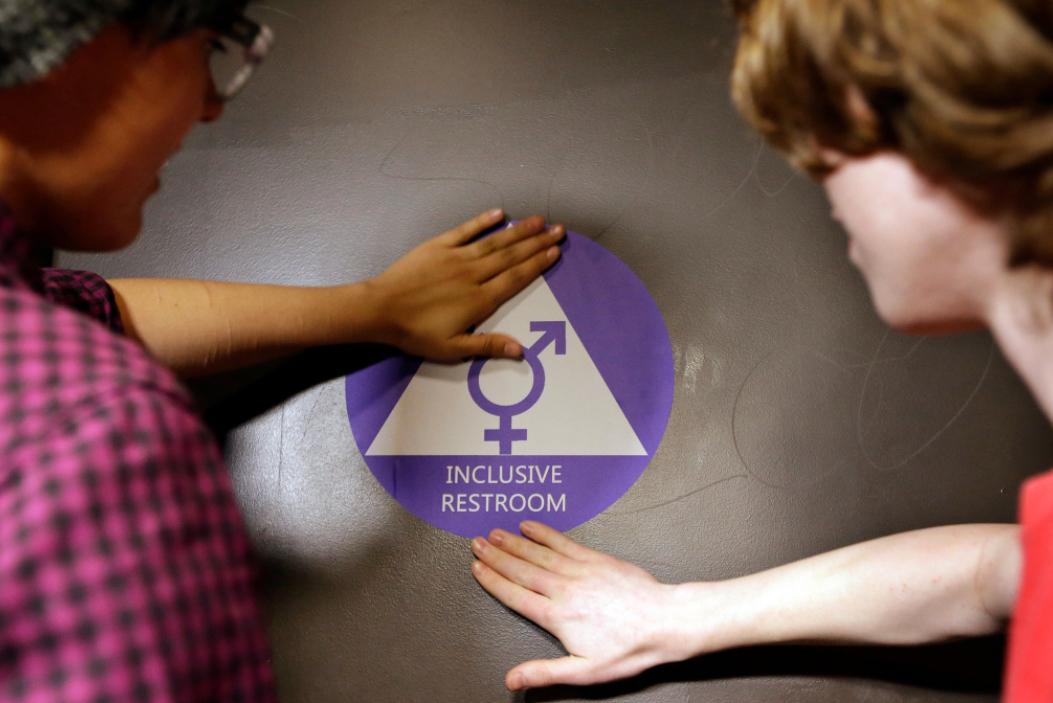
236 53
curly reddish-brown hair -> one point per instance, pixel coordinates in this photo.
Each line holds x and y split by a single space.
963 88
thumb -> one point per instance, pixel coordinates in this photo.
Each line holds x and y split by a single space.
546 672
498 346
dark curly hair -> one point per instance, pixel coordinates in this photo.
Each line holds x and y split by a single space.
160 21
36 36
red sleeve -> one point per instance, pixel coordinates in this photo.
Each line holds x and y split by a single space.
1029 676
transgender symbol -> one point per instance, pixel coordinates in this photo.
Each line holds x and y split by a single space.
504 434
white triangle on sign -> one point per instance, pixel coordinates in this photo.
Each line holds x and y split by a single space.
575 415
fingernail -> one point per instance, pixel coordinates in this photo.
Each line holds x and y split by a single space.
553 252
526 526
513 350
497 536
556 229
516 682
495 213
477 567
478 544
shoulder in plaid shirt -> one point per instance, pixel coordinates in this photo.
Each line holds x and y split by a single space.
125 571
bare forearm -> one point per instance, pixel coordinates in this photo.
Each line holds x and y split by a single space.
615 619
910 588
426 304
198 327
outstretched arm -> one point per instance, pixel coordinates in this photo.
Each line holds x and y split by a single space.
615 620
424 304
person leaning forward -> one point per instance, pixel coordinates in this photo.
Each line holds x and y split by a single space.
126 570
929 126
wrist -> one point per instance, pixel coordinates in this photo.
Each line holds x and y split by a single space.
710 617
687 627
363 308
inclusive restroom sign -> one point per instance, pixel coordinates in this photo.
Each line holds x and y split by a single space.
556 437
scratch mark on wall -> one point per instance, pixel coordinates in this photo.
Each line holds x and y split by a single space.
652 160
281 444
551 181
734 427
925 445
678 498
610 226
684 127
873 362
309 415
742 184
277 11
778 191
385 170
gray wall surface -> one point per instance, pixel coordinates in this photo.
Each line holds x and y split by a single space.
800 423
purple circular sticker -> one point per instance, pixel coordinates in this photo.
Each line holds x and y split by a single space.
556 437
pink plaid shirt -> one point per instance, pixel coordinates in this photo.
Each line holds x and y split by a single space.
125 571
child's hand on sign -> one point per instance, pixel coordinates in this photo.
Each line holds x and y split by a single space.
426 302
614 619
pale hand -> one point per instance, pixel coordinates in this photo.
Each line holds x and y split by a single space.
614 619
426 302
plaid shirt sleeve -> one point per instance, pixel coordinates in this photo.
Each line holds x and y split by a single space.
85 292
125 570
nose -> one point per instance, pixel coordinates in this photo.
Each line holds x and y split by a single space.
212 107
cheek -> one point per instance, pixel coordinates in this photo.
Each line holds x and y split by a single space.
892 229
857 206
172 85
162 104
888 241
928 259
